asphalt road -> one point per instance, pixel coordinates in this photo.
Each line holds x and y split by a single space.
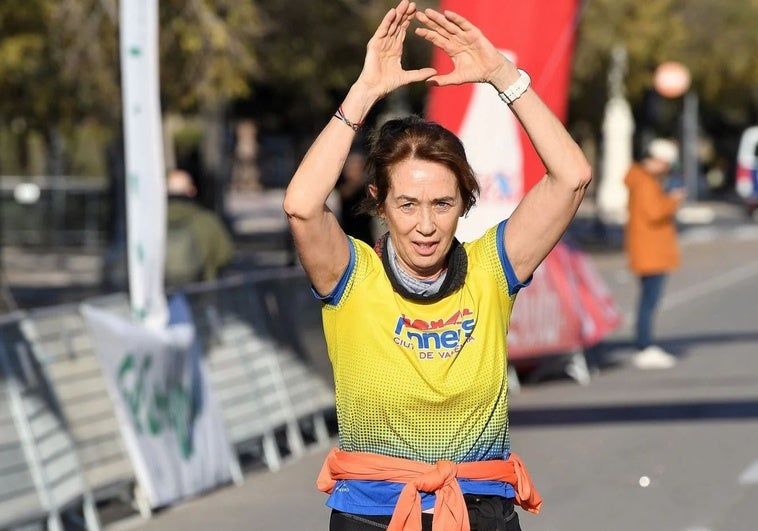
691 431
673 450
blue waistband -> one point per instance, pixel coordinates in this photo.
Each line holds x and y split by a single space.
380 497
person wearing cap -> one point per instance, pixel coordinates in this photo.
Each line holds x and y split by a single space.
650 242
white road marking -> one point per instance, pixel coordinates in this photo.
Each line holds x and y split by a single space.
700 235
716 283
691 293
749 476
745 232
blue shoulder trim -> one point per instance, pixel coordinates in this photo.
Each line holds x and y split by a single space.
334 297
513 283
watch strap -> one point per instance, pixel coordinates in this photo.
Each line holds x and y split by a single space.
517 88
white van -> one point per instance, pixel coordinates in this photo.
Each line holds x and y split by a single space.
746 178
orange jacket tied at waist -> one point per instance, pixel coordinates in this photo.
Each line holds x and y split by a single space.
450 513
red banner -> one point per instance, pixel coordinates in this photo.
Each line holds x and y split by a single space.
567 306
538 35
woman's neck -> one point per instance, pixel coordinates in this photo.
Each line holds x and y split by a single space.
420 285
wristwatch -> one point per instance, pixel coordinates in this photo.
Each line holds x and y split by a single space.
517 89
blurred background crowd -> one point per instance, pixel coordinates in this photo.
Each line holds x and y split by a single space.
245 86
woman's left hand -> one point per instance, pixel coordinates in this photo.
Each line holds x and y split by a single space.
475 58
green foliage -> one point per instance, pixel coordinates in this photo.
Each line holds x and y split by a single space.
312 53
24 60
721 51
87 146
716 40
208 51
310 56
59 61
292 61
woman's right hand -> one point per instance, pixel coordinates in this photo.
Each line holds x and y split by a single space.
382 69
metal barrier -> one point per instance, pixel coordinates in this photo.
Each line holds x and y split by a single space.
19 501
41 478
262 338
295 319
43 211
60 341
240 384
263 384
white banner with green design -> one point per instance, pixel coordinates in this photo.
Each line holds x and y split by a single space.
145 166
171 424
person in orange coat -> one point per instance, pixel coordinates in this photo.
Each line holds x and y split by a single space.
651 242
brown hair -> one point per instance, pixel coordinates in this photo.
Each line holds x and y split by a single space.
413 137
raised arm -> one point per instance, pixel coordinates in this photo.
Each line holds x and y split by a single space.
545 212
321 243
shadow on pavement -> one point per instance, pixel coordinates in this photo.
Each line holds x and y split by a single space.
608 353
662 412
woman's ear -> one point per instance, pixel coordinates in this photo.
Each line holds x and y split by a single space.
374 191
379 209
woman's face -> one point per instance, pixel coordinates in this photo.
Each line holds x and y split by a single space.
422 210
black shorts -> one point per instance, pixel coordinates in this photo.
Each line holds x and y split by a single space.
485 513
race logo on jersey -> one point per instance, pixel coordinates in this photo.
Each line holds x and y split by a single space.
437 339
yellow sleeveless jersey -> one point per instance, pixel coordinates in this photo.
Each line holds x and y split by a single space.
423 381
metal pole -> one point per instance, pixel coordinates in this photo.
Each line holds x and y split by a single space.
7 302
689 144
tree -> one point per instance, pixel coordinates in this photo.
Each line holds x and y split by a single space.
716 40
59 59
649 31
309 56
290 66
25 65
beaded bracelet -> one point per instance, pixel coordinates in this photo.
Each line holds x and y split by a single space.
340 114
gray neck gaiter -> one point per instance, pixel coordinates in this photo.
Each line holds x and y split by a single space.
414 285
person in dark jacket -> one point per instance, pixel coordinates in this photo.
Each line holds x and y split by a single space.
352 186
198 244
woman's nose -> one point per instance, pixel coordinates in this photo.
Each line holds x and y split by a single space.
426 221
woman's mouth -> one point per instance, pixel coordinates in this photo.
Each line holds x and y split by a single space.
425 248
